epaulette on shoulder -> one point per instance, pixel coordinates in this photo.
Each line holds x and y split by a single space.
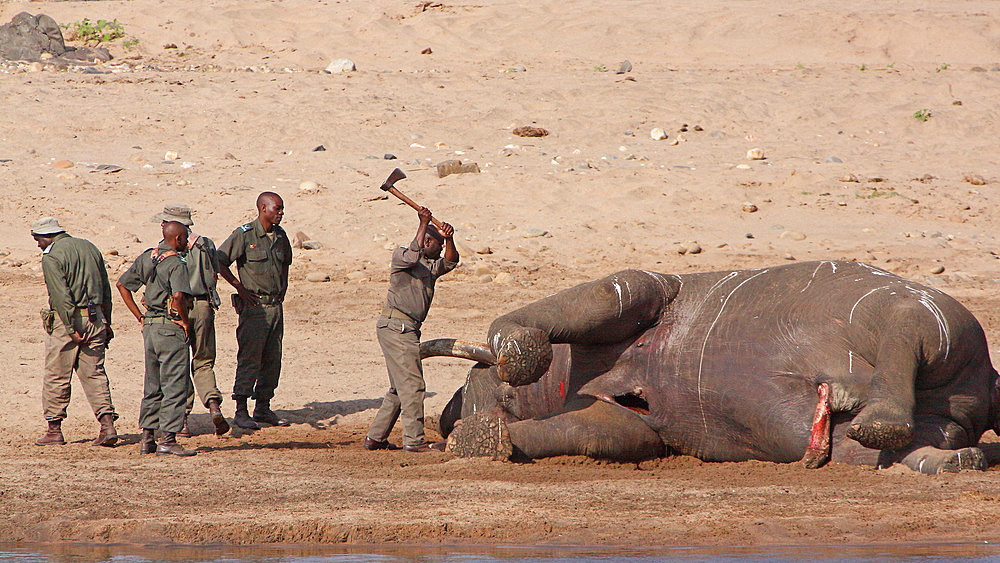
247 227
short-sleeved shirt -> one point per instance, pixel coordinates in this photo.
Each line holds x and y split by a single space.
412 278
75 276
162 279
260 261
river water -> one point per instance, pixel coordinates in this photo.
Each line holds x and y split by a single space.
86 553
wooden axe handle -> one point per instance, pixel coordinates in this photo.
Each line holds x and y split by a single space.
413 204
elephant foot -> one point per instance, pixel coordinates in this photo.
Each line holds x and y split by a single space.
818 451
932 461
481 435
523 354
879 428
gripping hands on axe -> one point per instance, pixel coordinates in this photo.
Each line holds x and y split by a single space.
389 186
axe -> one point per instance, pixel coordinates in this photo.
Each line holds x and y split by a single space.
390 186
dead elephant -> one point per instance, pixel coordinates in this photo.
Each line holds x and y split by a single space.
810 361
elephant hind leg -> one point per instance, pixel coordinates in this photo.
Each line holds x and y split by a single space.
940 445
586 426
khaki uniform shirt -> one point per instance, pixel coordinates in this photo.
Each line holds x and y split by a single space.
203 264
411 280
162 280
75 276
260 261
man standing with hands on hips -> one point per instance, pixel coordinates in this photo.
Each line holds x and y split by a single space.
412 274
262 253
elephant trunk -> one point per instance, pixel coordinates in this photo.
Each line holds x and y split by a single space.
452 348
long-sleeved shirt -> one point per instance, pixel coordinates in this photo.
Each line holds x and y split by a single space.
76 277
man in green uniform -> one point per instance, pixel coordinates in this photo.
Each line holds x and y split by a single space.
78 328
165 329
412 274
203 267
262 254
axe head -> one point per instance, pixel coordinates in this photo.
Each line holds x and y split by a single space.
394 177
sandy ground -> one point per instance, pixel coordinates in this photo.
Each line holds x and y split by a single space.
242 102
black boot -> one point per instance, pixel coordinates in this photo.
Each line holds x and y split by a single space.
169 446
262 413
242 418
147 444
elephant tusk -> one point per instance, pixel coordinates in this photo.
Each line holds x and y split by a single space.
450 347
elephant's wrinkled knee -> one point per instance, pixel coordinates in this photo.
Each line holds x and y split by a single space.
881 427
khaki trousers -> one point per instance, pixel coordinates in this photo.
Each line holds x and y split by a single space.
406 384
62 357
202 317
168 377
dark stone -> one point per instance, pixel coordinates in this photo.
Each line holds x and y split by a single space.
320 148
389 156
624 67
26 37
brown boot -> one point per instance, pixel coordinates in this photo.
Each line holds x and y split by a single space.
185 431
108 436
53 435
169 446
214 409
147 444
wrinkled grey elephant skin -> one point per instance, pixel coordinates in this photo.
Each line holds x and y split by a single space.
811 361
27 37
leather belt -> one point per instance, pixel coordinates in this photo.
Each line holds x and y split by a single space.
394 313
155 320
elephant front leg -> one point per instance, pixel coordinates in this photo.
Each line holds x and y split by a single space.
940 445
586 426
606 311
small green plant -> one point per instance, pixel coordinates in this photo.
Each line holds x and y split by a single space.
890 65
798 66
863 67
875 193
95 33
922 114
944 66
600 68
130 43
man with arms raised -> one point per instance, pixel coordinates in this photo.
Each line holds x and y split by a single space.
262 253
78 328
412 274
165 328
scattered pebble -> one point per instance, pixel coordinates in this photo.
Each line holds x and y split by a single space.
388 156
937 270
748 235
426 51
698 128
339 66
309 186
61 164
67 176
171 156
624 67
674 142
743 166
484 250
850 178
320 148
486 278
439 145
449 167
755 154
689 247
317 277
749 207
532 232
529 131
789 257
503 277
357 276
298 239
657 134
833 159
974 179
229 156
312 245
793 235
